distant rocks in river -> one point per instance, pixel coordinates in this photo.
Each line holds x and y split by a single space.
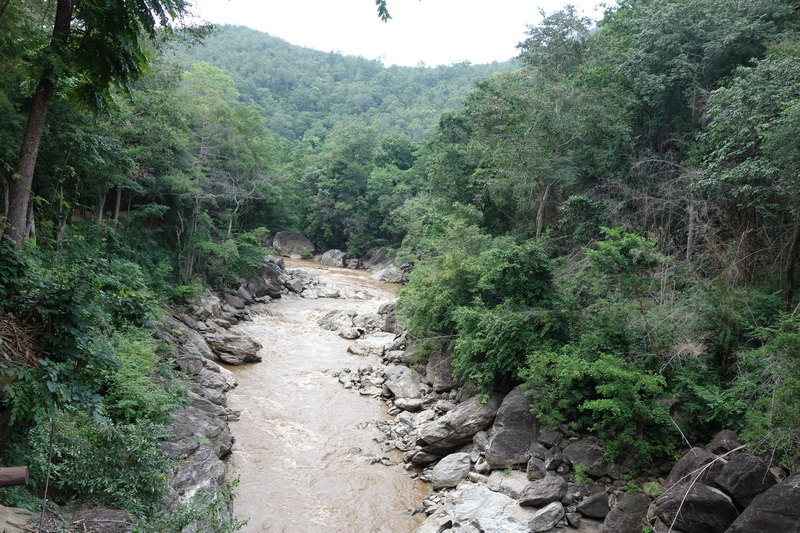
291 244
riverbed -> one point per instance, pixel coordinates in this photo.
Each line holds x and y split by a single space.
306 451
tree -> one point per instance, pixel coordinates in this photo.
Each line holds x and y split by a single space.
95 44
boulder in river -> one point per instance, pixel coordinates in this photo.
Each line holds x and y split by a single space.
292 244
234 349
390 275
333 258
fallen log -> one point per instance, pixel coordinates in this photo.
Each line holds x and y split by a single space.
13 476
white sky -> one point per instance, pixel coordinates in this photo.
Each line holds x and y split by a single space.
436 32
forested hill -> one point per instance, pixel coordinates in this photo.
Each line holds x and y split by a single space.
304 92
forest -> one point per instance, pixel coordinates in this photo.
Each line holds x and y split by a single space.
611 219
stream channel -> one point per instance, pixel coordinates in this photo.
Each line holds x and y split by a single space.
305 447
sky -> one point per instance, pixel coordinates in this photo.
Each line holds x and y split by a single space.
433 32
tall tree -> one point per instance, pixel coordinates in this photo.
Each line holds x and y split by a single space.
97 44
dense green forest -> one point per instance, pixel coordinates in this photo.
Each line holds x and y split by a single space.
612 220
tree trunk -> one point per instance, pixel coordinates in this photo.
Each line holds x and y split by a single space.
4 180
101 205
20 190
540 211
117 203
791 266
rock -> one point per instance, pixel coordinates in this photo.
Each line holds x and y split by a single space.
589 456
290 244
696 508
439 371
595 506
378 256
551 488
242 293
369 322
375 344
295 285
723 442
513 431
336 320
193 427
389 275
547 517
743 478
459 425
403 382
327 291
482 509
512 483
333 258
776 510
194 341
450 471
535 469
234 300
629 514
408 404
697 465
309 294
549 437
350 333
234 349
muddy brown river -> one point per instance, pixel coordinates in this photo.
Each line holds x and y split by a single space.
305 451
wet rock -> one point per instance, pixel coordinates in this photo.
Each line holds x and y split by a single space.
515 428
776 510
450 471
696 508
459 425
543 491
547 517
290 244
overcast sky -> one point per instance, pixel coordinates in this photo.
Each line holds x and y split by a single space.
435 32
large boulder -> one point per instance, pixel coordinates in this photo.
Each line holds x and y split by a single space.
595 506
629 514
589 456
487 511
234 349
547 517
402 381
450 471
291 244
375 344
336 320
543 491
193 341
776 509
696 508
439 371
389 275
514 431
743 478
458 426
696 465
192 428
333 258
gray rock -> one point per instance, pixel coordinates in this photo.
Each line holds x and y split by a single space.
776 510
244 294
290 244
513 431
369 322
512 483
589 456
629 514
439 371
194 342
403 382
350 333
549 437
408 404
458 426
375 344
193 427
743 478
696 508
697 465
547 517
551 488
327 291
234 349
595 506
336 320
535 469
333 258
482 509
450 471
234 300
391 274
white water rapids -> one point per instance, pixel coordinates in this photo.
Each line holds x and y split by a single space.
304 447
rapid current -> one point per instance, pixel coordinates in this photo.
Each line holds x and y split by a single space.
305 450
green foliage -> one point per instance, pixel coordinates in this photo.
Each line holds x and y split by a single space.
108 463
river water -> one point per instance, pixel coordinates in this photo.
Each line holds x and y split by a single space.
304 448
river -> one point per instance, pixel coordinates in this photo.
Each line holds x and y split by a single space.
305 447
